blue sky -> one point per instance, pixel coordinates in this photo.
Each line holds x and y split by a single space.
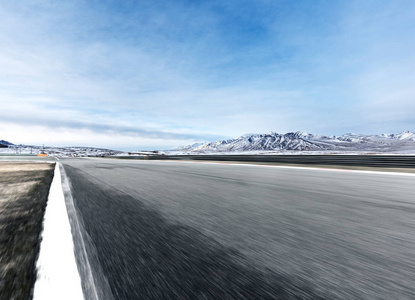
158 74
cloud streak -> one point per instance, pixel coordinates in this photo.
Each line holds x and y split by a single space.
106 128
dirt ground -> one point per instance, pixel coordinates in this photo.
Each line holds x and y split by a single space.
24 188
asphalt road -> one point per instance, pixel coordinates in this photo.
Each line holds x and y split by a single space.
183 230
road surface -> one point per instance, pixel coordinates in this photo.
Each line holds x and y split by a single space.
196 230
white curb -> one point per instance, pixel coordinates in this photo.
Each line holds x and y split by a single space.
57 272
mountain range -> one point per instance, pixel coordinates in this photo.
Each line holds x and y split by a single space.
291 142
403 142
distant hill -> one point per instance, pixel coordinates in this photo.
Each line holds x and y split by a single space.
302 141
55 151
5 144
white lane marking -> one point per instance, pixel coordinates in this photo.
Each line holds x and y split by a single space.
290 167
58 276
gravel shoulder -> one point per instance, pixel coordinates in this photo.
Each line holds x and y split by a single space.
24 188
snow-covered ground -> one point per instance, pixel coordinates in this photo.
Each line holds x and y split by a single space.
58 151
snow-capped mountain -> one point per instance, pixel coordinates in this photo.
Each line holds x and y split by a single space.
406 135
302 141
188 147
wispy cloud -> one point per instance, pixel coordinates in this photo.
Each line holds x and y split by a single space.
105 128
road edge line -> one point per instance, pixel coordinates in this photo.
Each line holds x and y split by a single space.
57 272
